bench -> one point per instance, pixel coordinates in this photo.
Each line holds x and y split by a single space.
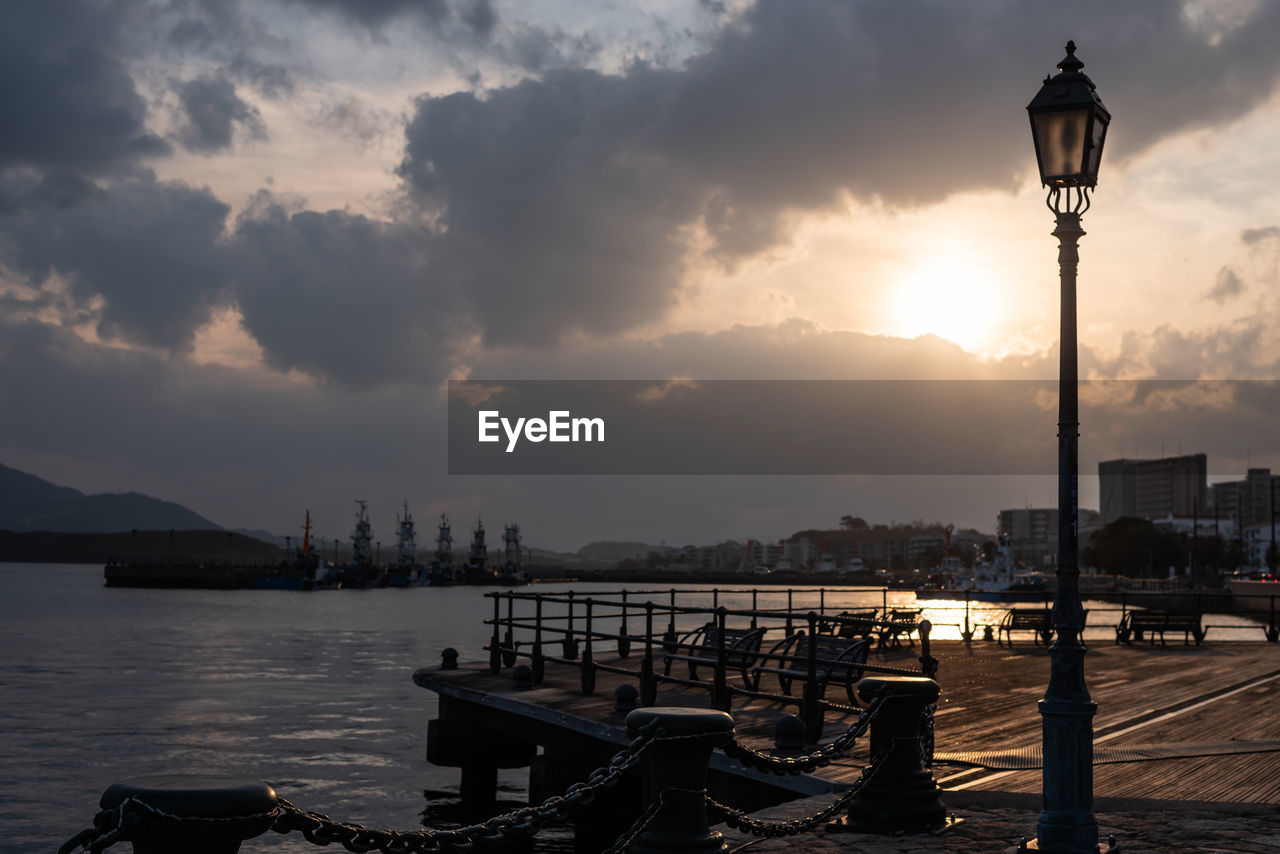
899 623
702 648
851 624
1135 623
1037 620
839 660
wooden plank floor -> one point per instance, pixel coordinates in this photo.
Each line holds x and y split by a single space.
1168 696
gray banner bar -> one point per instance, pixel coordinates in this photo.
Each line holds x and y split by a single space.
843 427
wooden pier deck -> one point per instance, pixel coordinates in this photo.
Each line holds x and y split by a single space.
1174 723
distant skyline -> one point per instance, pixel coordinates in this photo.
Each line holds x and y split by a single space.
243 245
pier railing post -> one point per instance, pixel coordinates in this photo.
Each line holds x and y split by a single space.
812 697
508 637
675 777
214 814
495 645
648 684
967 634
588 661
754 625
901 795
1273 631
570 642
720 683
624 639
538 664
669 639
789 627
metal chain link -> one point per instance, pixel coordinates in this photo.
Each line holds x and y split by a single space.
623 842
824 755
322 830
763 827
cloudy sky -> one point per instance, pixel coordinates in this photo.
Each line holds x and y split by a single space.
244 245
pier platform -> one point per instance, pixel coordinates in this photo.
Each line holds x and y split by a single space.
1185 725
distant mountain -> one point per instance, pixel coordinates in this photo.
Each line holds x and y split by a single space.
28 503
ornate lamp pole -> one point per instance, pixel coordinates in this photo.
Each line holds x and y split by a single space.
1069 125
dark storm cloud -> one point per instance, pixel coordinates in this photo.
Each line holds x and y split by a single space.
374 14
67 98
151 252
1227 285
211 110
480 16
568 200
1256 236
342 296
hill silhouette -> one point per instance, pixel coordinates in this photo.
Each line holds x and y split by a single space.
30 503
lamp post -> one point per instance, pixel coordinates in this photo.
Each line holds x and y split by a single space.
1069 126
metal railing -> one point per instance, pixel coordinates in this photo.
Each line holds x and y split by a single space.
567 629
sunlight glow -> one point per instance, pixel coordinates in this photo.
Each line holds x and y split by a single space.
952 297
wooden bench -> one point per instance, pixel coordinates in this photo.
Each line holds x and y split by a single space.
897 624
1037 620
839 660
701 647
1135 623
851 624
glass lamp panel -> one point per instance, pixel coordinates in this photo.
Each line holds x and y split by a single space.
1061 136
1095 146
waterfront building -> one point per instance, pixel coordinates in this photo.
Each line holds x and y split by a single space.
1247 501
1032 533
1153 489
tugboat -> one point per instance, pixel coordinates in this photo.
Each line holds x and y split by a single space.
512 571
441 573
362 571
406 571
478 571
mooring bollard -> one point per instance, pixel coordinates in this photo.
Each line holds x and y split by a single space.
675 774
626 698
449 659
901 795
522 677
788 734
202 814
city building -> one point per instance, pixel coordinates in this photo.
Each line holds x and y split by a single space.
1032 533
1153 489
1248 501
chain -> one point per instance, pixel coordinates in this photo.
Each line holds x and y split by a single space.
322 830
111 826
622 843
762 827
824 755
925 742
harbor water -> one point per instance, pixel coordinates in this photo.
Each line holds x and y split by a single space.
311 692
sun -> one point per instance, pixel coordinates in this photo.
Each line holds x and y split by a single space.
951 297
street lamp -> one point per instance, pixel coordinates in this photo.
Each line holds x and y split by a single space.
1069 125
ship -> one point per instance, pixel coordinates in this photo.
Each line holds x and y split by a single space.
478 571
512 571
997 581
362 571
298 569
406 571
441 572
